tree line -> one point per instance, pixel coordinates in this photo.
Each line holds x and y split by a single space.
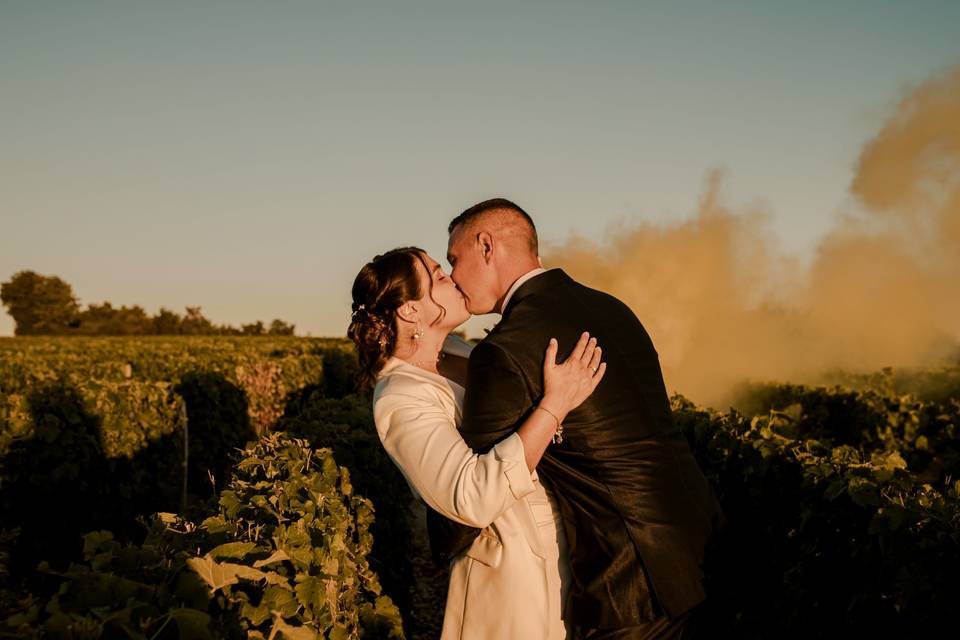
46 306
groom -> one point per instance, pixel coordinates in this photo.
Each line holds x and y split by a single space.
636 509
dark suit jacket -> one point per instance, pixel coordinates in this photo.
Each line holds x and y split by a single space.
636 509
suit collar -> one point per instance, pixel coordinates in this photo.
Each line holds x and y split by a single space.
542 282
533 273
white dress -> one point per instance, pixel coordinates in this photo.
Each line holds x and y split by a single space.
512 580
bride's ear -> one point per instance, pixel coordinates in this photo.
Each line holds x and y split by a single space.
408 311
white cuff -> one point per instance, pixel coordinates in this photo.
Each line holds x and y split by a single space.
511 451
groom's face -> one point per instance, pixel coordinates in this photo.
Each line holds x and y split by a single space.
475 276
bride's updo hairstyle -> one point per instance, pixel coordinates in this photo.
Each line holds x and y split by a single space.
381 287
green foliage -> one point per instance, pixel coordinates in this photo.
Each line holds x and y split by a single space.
842 502
26 362
111 416
844 533
218 424
340 371
298 520
100 425
126 591
934 384
284 557
64 469
346 426
923 432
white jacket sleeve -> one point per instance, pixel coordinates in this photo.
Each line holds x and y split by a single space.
423 441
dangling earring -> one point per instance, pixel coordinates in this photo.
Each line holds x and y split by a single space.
418 333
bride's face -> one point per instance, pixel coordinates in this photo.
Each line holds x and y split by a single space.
444 294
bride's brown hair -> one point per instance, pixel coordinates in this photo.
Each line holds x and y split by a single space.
381 287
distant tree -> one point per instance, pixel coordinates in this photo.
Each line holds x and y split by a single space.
132 321
254 329
39 305
166 323
280 328
195 324
96 318
105 320
45 305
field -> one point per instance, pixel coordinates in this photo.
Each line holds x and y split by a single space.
184 487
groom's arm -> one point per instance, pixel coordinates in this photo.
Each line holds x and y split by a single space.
496 398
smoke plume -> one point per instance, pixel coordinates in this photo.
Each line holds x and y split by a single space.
724 305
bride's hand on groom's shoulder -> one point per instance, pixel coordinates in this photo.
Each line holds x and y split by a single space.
567 385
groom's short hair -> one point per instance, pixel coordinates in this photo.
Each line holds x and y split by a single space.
499 207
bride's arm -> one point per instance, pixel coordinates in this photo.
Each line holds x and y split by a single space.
422 440
474 489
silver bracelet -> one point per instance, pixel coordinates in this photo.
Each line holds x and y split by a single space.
558 436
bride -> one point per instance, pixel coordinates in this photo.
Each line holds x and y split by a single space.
512 580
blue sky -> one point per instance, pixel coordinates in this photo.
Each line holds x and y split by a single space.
249 157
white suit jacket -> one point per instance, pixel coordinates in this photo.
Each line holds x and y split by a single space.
506 584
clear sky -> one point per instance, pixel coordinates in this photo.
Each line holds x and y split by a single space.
249 157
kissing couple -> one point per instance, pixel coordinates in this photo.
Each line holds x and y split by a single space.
563 498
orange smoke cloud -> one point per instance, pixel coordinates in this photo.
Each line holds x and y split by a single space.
723 305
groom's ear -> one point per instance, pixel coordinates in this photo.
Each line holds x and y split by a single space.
485 245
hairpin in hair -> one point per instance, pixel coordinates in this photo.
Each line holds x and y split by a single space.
360 307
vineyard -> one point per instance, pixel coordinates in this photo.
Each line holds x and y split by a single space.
196 487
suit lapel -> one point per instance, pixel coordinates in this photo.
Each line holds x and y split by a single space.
537 284
542 282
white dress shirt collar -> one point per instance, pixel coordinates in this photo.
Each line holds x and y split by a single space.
516 285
